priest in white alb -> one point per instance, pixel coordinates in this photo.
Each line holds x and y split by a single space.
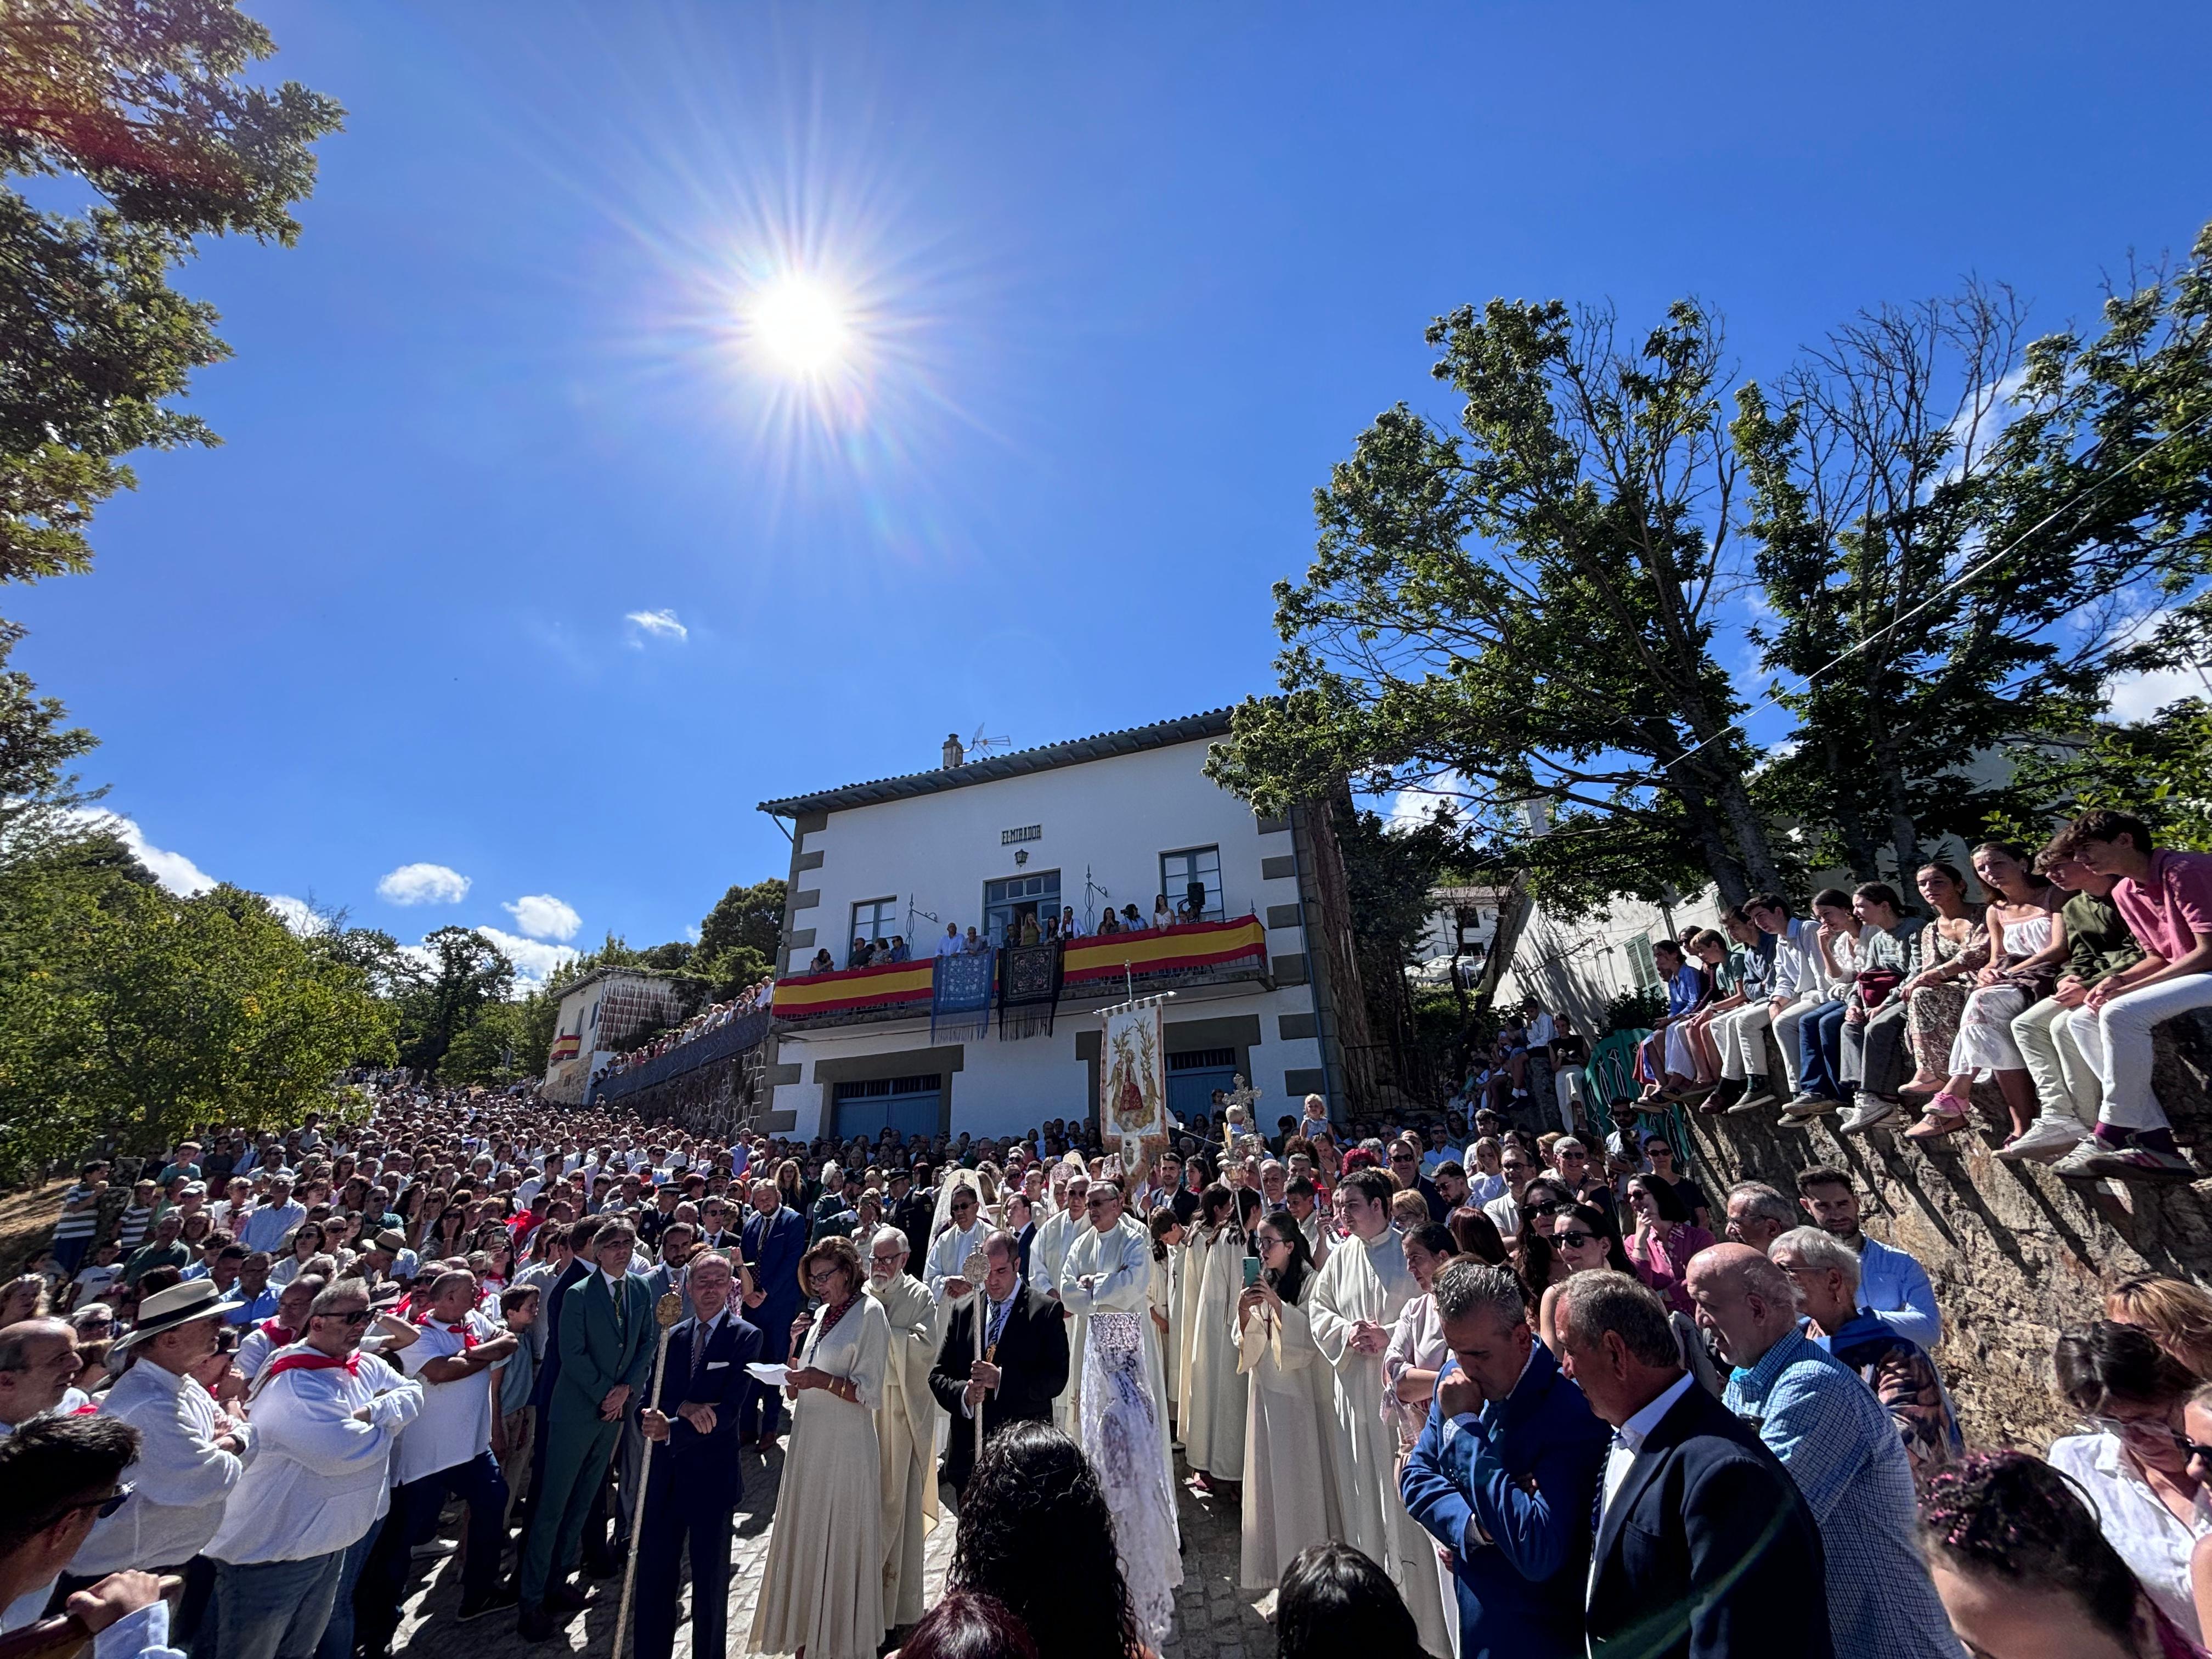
1071 1188
906 1424
958 1232
1123 1424
1361 1290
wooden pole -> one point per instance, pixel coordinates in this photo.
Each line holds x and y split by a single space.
976 1268
667 1313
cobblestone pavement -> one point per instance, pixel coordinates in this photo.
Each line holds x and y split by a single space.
1216 1621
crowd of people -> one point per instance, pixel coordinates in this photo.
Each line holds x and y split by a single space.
709 1019
1466 1388
1027 928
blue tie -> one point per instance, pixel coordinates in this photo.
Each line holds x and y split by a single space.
998 1323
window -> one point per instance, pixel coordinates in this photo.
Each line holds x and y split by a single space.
1193 868
1005 903
874 919
1645 964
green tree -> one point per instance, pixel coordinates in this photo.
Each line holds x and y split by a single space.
1526 607
739 937
464 973
134 1012
148 103
1915 446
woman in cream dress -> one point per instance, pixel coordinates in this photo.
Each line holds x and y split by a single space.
1289 1500
822 1591
1213 1437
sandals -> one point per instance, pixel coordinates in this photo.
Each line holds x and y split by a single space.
1946 1116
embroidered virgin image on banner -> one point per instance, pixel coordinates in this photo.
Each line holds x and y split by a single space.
1132 1074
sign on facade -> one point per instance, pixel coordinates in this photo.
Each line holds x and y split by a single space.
1027 832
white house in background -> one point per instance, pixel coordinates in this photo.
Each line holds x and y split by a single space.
601 1015
1463 922
1118 819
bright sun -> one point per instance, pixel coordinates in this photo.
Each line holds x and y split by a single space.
801 326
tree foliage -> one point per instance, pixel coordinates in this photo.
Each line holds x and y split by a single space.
460 974
148 103
1525 607
738 938
133 1013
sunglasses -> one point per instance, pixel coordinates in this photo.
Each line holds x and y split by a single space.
1540 1209
1573 1239
106 1506
358 1316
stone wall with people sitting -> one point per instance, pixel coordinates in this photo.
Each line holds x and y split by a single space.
2016 1253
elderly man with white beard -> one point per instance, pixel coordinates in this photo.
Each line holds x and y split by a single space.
906 1424
1055 1237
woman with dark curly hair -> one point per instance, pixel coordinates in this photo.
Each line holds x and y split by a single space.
1035 1533
2024 1573
1335 1601
967 1625
822 1588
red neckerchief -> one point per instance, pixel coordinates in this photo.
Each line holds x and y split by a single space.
272 1330
312 1361
468 1337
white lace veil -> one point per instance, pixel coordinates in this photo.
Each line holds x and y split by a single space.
941 1219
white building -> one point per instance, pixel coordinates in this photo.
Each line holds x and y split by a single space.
601 1015
1119 819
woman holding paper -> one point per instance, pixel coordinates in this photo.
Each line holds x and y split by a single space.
821 1592
1289 1502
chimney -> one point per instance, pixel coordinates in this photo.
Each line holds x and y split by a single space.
954 755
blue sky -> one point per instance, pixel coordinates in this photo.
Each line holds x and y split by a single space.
1128 279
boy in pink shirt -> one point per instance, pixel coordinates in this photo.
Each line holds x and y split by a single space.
2166 898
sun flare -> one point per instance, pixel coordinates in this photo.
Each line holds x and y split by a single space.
800 325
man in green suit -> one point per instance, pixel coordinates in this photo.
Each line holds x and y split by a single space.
606 1342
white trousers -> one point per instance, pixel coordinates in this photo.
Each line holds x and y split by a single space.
1739 1034
2116 1039
2066 1083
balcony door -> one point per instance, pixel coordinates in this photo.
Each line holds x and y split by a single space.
1193 1077
908 1104
1005 903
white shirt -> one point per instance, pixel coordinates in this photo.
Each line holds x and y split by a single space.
1627 1442
1481 1189
2136 1522
455 1421
320 1477
1542 1030
1436 1158
178 1484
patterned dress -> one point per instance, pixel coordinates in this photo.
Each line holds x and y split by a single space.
1931 1020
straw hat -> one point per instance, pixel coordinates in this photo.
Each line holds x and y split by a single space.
165 1311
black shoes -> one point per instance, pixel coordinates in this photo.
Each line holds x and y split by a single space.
500 1595
536 1625
567 1598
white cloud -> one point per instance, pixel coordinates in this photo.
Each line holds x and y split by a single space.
533 959
542 916
172 870
658 625
295 914
2139 696
423 884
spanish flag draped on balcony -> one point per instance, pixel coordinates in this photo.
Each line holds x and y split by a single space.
1164 951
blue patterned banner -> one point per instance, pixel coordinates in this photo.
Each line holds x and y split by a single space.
963 985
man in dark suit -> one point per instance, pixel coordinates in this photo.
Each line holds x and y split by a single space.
776 1237
606 1345
1704 1547
911 1213
691 1495
1025 1366
1505 1473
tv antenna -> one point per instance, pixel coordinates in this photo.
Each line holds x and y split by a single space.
980 744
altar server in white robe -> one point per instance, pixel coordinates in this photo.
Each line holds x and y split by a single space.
906 1424
1047 1255
1363 1287
1189 1271
1167 1235
1213 1437
1290 1482
1109 1270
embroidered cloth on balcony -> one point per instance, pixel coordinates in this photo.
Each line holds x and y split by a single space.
1029 991
1165 950
964 987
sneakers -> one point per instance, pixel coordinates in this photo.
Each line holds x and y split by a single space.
1807 1106
2045 1140
1871 1112
2143 1163
500 1595
1757 1096
2077 1165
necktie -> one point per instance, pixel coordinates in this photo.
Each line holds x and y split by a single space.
622 1325
699 1335
998 1323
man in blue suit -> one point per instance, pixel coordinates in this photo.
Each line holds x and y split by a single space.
1705 1549
1505 1474
692 1493
776 1237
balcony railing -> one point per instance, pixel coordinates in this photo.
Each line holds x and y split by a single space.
734 1038
1093 967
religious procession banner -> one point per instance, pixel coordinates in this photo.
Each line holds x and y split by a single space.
1029 991
1164 951
962 987
885 985
1132 1071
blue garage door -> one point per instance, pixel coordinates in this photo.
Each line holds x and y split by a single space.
1193 1077
908 1104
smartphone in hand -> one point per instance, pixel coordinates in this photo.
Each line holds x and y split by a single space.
1251 1271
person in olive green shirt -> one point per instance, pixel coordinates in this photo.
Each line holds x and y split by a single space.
2098 944
162 1250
